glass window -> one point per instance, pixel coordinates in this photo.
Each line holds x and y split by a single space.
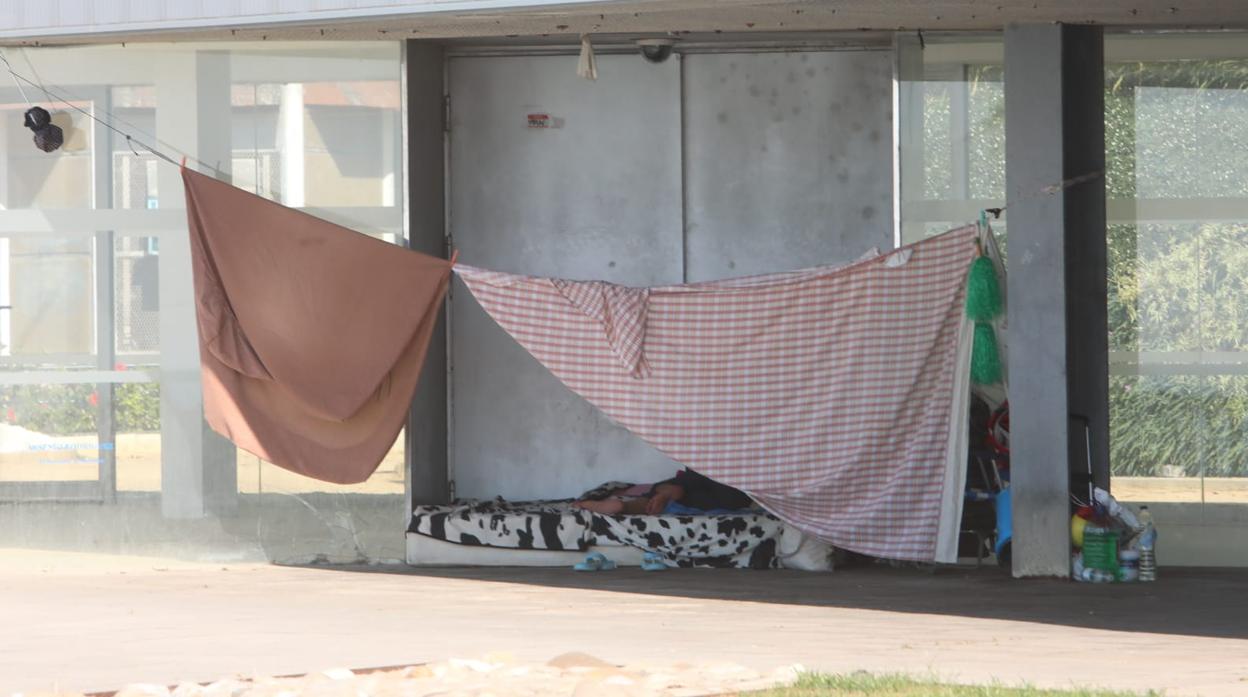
951 105
332 146
95 279
1177 145
48 433
1176 128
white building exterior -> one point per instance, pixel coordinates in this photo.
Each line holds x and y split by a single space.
779 134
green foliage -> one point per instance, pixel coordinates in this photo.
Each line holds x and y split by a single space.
1178 291
52 409
61 410
984 142
138 407
870 685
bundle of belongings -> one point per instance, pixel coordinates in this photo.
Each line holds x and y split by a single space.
835 398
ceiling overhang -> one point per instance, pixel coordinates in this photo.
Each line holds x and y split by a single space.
466 19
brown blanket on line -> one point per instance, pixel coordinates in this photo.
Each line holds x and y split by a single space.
311 335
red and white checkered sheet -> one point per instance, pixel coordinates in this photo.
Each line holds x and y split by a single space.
832 396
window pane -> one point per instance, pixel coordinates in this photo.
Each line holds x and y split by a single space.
48 309
1178 307
312 125
137 418
48 433
34 179
1176 129
258 476
952 128
136 297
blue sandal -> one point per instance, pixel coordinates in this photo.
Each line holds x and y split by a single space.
595 561
653 562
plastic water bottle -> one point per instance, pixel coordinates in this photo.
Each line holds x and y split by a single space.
1148 546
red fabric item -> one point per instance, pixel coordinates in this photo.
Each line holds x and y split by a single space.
311 335
827 394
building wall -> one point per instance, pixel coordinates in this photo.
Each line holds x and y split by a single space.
707 166
317 127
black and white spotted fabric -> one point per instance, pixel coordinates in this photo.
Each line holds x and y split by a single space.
744 540
736 541
554 525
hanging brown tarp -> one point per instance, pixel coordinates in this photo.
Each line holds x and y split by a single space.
311 335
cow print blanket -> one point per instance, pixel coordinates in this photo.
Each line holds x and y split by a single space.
741 540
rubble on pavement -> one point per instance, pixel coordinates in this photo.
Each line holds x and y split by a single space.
567 675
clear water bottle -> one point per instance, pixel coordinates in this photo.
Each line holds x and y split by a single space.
1147 546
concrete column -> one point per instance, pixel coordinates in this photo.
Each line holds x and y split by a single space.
391 156
1054 116
290 140
199 475
428 479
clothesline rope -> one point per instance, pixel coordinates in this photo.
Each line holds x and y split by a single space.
30 64
64 97
20 89
1049 190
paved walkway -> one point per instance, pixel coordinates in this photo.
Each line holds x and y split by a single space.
87 623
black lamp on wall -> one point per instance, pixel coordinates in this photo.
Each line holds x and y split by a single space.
48 136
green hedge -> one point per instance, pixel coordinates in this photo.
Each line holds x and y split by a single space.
70 409
1192 423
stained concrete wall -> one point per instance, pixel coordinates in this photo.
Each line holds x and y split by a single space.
713 166
788 160
596 196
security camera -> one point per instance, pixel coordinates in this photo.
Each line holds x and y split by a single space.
656 50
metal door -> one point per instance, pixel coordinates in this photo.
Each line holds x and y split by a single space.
551 174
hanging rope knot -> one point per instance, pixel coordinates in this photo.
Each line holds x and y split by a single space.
48 136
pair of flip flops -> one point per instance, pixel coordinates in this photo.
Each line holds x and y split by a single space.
653 562
595 561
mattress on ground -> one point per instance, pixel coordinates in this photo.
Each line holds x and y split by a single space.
797 551
549 525
741 540
427 551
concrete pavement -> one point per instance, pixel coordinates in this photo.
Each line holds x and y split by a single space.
87 622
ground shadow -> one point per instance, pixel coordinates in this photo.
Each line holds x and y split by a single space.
1194 602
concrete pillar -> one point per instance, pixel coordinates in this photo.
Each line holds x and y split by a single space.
292 147
199 474
428 479
1058 347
